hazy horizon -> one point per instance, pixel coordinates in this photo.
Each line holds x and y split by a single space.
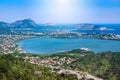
61 11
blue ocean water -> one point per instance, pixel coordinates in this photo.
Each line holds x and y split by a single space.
115 27
53 45
67 27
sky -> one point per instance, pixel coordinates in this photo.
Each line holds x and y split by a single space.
61 11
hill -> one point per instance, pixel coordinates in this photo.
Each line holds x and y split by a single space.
83 26
12 68
4 27
105 65
26 23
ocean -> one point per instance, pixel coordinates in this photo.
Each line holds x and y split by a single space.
115 27
67 27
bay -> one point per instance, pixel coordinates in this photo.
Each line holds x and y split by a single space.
53 45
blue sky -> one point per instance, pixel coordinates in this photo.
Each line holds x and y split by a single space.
61 11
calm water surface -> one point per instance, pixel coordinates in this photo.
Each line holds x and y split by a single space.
53 45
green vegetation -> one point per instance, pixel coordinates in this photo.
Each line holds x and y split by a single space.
12 68
105 65
76 53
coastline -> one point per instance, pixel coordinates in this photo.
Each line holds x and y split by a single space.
87 48
19 48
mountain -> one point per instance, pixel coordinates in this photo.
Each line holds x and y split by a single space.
89 27
4 27
4 24
26 23
19 25
49 24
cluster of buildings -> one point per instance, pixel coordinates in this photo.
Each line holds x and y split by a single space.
106 36
7 43
65 34
49 61
56 64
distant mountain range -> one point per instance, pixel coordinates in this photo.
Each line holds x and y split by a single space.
49 24
28 24
83 26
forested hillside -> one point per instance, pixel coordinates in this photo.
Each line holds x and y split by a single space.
105 65
12 68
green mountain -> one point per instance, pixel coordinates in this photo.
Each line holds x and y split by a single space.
12 68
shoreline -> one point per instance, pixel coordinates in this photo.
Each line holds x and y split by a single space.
19 48
60 50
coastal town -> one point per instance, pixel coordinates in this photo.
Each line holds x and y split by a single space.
59 39
57 64
8 41
10 33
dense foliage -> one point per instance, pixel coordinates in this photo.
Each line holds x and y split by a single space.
105 65
76 53
12 68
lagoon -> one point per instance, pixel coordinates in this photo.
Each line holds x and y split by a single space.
53 45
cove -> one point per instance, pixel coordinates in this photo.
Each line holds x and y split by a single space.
53 45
